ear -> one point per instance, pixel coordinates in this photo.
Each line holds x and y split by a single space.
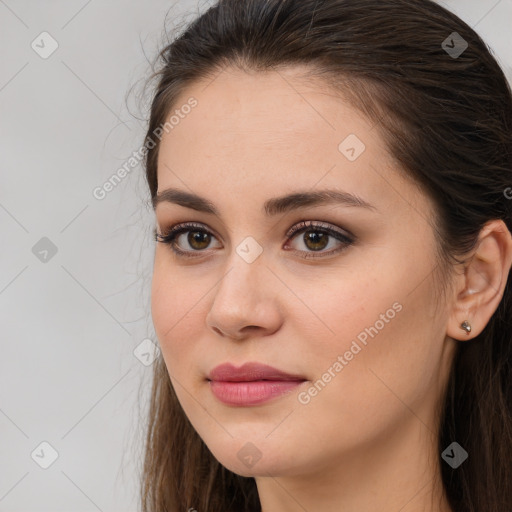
480 287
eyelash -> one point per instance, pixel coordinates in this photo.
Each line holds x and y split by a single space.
170 235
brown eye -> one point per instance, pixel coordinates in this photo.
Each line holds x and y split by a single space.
198 239
186 239
191 239
316 238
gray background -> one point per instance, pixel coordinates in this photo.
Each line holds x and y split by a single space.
71 320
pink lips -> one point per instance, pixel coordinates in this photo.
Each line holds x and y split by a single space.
251 384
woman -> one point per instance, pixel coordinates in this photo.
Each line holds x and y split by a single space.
330 288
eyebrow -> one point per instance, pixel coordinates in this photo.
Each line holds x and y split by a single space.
272 207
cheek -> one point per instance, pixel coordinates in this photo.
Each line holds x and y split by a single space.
174 310
335 311
380 319
384 352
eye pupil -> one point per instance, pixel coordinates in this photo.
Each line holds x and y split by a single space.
318 239
314 238
198 237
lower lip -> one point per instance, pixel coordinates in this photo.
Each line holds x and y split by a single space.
251 393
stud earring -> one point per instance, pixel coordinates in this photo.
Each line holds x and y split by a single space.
465 327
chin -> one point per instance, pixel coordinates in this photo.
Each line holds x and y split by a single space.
249 460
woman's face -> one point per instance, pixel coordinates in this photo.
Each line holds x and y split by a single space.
347 305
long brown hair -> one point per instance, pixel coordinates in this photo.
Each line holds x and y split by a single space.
446 117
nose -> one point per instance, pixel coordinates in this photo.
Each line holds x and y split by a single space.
246 301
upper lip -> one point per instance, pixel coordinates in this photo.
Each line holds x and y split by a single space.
250 372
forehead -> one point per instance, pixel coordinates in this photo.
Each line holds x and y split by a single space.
266 110
262 134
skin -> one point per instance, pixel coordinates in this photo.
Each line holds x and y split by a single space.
368 440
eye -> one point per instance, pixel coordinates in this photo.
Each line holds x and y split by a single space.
197 237
317 236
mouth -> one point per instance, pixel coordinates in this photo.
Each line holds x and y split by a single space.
251 372
251 384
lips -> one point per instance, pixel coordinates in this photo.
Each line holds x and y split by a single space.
251 372
252 384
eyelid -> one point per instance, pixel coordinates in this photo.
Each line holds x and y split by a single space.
341 235
320 225
297 226
178 229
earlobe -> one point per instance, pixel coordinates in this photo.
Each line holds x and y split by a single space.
483 282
